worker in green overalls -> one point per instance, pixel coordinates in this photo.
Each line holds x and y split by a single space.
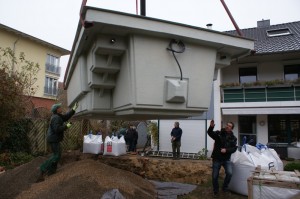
55 134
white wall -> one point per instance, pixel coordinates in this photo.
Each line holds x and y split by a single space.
266 71
193 135
262 130
270 71
230 74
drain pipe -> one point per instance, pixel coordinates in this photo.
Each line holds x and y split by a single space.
206 134
143 7
158 124
232 19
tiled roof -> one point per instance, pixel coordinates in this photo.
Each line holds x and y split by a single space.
265 44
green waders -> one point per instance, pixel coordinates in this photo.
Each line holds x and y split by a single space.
49 166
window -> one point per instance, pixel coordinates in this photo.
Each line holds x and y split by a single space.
247 130
248 75
278 32
284 128
291 72
52 64
52 60
51 86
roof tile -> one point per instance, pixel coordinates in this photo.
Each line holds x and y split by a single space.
265 44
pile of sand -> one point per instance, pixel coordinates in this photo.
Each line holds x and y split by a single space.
81 179
90 176
163 169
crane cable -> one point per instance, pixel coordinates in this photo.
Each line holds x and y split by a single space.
181 49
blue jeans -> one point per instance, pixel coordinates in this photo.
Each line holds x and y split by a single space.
215 174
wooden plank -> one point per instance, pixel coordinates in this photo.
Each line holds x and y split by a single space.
297 174
290 173
271 183
281 180
250 187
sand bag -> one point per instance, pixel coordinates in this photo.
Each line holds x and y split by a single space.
93 144
114 146
113 194
268 184
245 161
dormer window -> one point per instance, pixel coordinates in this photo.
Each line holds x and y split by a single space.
278 32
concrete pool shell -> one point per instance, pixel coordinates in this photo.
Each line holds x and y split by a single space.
129 67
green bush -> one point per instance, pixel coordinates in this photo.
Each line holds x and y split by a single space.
203 154
18 140
292 166
11 160
20 158
152 129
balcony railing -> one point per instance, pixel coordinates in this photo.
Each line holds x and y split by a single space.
53 69
50 91
260 94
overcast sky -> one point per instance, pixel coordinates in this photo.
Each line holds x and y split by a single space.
55 21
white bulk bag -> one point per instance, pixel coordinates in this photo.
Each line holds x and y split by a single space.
274 184
92 144
245 161
114 146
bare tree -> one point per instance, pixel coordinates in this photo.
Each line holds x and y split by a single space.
17 86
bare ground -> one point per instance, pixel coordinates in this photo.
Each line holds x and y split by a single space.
89 176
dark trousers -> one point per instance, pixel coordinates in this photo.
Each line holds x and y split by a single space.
215 174
176 149
131 145
50 165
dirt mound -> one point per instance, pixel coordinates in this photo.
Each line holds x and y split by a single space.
90 176
13 182
81 179
163 169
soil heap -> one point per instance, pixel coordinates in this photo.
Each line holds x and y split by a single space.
89 176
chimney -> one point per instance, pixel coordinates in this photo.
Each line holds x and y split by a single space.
263 23
209 26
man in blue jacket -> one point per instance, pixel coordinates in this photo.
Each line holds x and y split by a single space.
176 134
55 134
225 145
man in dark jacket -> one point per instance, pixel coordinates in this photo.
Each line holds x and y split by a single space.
176 134
135 138
225 145
55 134
131 138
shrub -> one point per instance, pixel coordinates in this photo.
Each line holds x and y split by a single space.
18 77
203 154
153 131
11 160
18 140
292 166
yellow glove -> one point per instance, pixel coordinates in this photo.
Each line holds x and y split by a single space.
69 125
75 106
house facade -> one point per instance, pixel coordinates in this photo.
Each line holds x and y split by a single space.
260 93
38 51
